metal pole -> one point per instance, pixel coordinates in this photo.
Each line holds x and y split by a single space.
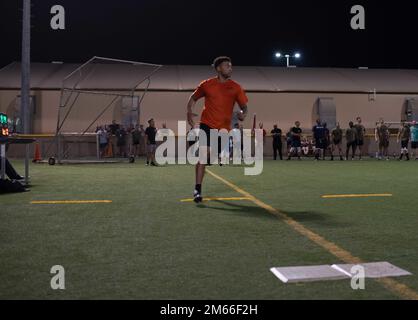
3 160
97 146
25 85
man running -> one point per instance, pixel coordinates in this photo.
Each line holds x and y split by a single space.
220 93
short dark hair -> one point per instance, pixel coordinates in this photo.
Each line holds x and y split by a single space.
149 121
219 60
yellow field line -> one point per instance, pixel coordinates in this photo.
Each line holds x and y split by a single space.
343 196
342 254
71 202
218 199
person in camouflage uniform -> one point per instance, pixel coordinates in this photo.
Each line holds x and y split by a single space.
361 131
336 141
382 138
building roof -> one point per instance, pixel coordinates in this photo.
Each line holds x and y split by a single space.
253 79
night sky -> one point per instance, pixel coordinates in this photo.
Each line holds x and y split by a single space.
194 32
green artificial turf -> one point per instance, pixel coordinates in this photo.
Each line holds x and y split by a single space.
147 244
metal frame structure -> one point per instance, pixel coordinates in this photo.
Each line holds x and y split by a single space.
65 101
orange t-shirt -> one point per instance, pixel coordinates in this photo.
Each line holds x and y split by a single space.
220 98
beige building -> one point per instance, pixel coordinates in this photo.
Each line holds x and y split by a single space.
276 95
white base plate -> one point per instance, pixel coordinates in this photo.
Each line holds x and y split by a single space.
336 272
308 274
375 269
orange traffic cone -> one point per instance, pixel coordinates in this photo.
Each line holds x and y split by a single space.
37 156
109 151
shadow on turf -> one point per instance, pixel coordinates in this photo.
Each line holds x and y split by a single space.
242 210
257 212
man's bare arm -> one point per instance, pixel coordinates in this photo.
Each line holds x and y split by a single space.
243 113
190 114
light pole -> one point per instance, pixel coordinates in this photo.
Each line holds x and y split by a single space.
25 80
288 56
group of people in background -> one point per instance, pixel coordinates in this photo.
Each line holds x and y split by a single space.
137 140
408 132
325 141
132 141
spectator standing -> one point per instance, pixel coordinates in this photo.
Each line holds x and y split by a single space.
319 134
103 140
151 145
121 136
414 139
277 142
296 143
404 136
136 140
351 137
336 140
361 131
382 136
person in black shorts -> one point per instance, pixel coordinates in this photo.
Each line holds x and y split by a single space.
277 142
206 129
361 131
327 142
121 136
221 93
136 140
151 144
296 142
351 137
319 133
403 136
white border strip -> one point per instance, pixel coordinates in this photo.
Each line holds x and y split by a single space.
334 266
279 275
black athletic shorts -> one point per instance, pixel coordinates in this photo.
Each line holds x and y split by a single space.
384 143
352 144
296 144
336 142
207 129
321 144
404 144
102 146
414 144
360 142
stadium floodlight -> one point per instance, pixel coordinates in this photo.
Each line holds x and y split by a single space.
297 55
